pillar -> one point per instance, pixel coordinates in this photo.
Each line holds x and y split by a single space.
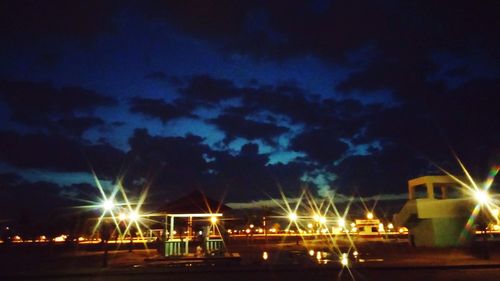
411 192
172 227
430 190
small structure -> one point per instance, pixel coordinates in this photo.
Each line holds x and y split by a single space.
194 208
439 218
368 227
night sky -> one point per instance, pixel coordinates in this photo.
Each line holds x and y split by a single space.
241 98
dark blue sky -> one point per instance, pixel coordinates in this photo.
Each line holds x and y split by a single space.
237 98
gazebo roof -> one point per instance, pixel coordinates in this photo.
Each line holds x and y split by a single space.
194 203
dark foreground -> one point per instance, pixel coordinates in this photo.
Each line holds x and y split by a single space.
281 273
381 260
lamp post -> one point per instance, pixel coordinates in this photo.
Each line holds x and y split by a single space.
133 217
483 198
105 231
105 235
293 218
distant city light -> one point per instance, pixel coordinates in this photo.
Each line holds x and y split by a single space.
381 227
369 215
122 216
292 216
344 261
265 256
60 238
341 222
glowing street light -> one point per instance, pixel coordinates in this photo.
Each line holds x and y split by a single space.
495 213
369 215
322 220
108 205
482 197
122 216
341 222
292 216
265 255
133 216
344 260
213 219
316 217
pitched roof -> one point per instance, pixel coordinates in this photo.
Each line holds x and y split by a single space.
194 203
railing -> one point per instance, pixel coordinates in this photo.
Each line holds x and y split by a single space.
213 245
176 248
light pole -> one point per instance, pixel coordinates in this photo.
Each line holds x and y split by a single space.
133 217
483 198
105 235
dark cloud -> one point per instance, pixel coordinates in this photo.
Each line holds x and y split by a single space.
31 209
58 153
384 171
207 89
177 165
235 126
301 107
169 164
458 71
407 79
49 59
117 123
158 75
75 126
334 31
322 145
36 104
33 21
203 18
387 46
158 108
287 99
459 119
21 200
81 192
8 179
247 176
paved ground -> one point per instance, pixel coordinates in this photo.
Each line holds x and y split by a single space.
382 260
288 273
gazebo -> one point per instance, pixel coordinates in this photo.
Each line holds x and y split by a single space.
194 207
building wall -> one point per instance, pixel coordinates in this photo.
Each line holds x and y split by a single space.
443 208
439 222
447 232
